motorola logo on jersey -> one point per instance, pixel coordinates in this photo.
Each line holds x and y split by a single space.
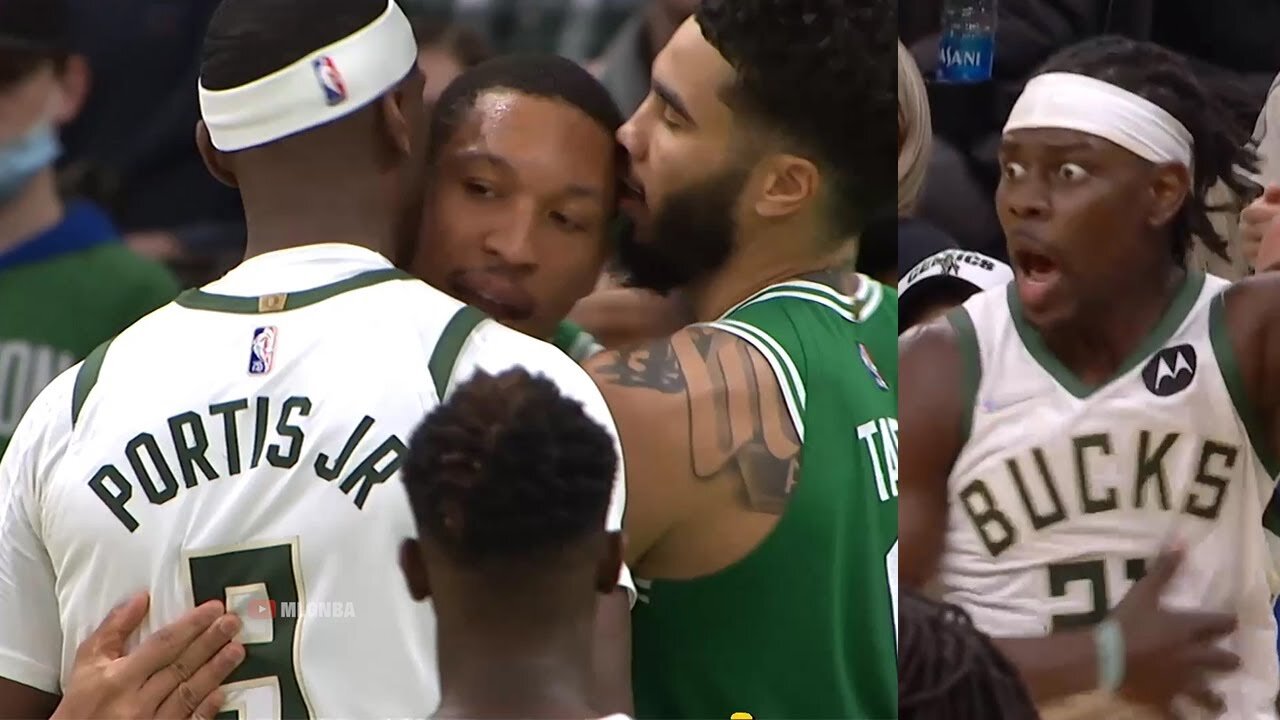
1170 371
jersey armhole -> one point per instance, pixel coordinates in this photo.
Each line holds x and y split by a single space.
790 384
1229 365
971 366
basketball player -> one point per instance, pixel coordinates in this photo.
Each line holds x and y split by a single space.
509 482
1107 403
243 443
763 513
517 194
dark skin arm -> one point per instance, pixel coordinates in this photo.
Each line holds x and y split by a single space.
1253 322
613 654
930 412
25 702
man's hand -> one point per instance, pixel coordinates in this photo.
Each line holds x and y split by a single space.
1255 222
1168 652
175 673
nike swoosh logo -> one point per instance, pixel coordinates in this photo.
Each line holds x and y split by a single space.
996 405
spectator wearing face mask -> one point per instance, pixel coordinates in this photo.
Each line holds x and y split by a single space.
66 283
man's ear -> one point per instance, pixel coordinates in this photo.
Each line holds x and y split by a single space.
1170 186
414 569
787 184
397 129
217 162
610 563
73 83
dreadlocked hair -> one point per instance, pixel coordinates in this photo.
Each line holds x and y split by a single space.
508 469
948 669
1218 117
823 74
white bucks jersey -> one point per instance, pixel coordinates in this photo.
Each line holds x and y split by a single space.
1064 492
243 444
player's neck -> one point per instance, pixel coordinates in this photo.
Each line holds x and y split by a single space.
494 670
34 210
1098 343
294 214
772 256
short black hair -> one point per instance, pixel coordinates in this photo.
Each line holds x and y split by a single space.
824 74
535 74
948 669
249 39
1218 117
33 34
508 469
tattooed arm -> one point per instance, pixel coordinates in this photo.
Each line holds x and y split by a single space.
704 428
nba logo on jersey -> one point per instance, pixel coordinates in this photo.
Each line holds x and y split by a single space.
263 351
871 367
335 90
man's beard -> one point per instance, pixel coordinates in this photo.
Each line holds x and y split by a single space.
691 235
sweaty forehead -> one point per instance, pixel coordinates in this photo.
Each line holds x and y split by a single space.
694 70
525 130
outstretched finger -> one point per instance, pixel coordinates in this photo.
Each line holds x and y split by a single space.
1162 571
167 644
210 706
107 641
199 670
1209 626
1213 659
185 700
1204 697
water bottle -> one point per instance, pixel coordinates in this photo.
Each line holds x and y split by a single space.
968 43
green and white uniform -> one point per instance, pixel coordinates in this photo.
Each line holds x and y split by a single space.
805 625
1063 492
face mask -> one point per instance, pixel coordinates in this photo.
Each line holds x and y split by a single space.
25 157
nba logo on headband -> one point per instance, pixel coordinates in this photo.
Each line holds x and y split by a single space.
335 90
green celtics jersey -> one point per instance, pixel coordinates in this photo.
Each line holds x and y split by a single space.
805 625
61 294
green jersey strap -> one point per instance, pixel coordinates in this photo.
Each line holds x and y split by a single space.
856 308
445 357
575 342
86 378
784 369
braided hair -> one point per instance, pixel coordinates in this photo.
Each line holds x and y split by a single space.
847 103
1219 119
508 470
948 669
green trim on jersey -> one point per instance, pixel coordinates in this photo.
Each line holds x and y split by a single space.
1182 303
86 378
967 337
449 346
281 302
784 368
854 309
1245 409
575 342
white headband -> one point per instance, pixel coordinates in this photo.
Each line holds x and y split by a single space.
326 85
1076 102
